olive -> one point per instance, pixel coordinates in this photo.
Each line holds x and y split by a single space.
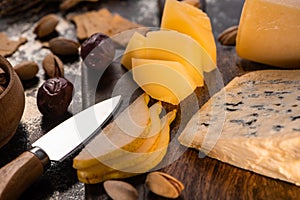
54 96
97 51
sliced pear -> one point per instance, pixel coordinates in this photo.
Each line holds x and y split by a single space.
141 164
128 126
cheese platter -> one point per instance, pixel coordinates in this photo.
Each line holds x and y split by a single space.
203 175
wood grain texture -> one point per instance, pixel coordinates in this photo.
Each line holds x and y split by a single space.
12 103
18 175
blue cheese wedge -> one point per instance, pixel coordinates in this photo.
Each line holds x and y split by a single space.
253 123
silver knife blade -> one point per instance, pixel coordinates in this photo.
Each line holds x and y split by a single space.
64 138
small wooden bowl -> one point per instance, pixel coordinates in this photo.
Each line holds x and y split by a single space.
12 103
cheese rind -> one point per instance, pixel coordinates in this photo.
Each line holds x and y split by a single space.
269 32
190 20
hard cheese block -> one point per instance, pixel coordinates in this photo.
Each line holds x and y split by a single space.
254 124
269 32
190 20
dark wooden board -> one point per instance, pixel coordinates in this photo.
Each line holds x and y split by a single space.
204 178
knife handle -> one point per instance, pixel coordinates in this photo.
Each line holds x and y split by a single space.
20 173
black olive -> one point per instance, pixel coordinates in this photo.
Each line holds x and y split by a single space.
54 96
97 51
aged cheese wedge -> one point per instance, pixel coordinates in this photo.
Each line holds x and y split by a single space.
261 130
163 80
269 32
190 20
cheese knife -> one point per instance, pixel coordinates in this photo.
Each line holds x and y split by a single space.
57 144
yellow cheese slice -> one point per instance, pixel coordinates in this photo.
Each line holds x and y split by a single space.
160 45
184 45
138 48
163 80
190 20
269 32
176 66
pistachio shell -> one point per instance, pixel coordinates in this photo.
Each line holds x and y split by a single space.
228 36
63 46
50 64
164 185
46 25
26 70
120 190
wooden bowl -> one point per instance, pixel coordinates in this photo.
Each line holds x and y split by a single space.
12 102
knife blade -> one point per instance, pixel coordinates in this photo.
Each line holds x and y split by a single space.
56 145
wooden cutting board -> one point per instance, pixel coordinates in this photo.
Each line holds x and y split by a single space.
204 178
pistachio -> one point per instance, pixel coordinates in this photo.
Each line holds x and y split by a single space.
64 47
120 190
26 70
46 25
228 36
164 185
53 66
195 3
68 4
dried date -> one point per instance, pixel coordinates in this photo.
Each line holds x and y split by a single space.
54 96
97 51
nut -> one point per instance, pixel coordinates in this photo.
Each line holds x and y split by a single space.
63 46
228 36
53 66
2 88
46 25
120 190
195 3
164 185
26 70
3 79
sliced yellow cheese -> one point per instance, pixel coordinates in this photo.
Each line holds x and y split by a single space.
160 45
163 80
176 66
140 47
269 32
190 20
184 45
